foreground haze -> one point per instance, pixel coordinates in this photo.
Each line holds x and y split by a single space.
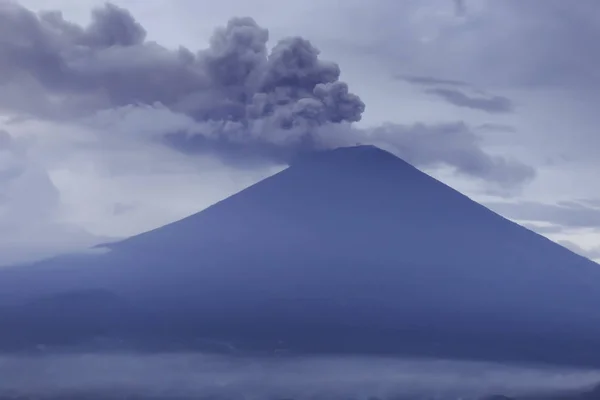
196 376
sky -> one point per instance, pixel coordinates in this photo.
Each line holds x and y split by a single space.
141 112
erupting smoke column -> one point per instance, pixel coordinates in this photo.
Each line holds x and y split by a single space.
236 90
236 99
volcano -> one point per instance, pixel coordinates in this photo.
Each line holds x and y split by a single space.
351 250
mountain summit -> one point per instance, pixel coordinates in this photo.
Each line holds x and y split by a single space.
349 250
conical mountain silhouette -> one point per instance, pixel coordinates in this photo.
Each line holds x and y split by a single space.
349 250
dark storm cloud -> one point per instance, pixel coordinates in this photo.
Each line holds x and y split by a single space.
565 214
236 84
483 102
240 99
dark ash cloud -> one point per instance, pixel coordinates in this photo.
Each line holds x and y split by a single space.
237 85
237 98
453 145
489 103
235 79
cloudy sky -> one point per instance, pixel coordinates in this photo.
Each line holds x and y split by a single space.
141 112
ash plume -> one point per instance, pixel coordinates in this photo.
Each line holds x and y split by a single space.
239 98
237 85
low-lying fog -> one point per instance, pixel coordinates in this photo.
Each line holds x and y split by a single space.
192 375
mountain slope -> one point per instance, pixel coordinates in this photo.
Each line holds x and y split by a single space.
348 250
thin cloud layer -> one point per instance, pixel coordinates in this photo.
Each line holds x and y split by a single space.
524 43
460 94
430 81
565 214
191 376
483 102
592 254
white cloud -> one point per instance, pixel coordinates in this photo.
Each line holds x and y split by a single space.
66 186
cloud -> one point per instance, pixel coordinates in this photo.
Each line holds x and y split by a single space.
460 8
592 254
565 214
544 229
181 375
236 98
489 103
564 53
108 126
493 127
430 81
553 88
236 85
485 42
17 174
457 93
595 203
108 160
101 181
30 227
453 144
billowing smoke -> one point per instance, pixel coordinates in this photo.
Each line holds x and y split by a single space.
237 98
236 86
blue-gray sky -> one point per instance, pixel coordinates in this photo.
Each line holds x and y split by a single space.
495 98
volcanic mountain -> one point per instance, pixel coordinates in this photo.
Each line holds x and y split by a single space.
351 251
